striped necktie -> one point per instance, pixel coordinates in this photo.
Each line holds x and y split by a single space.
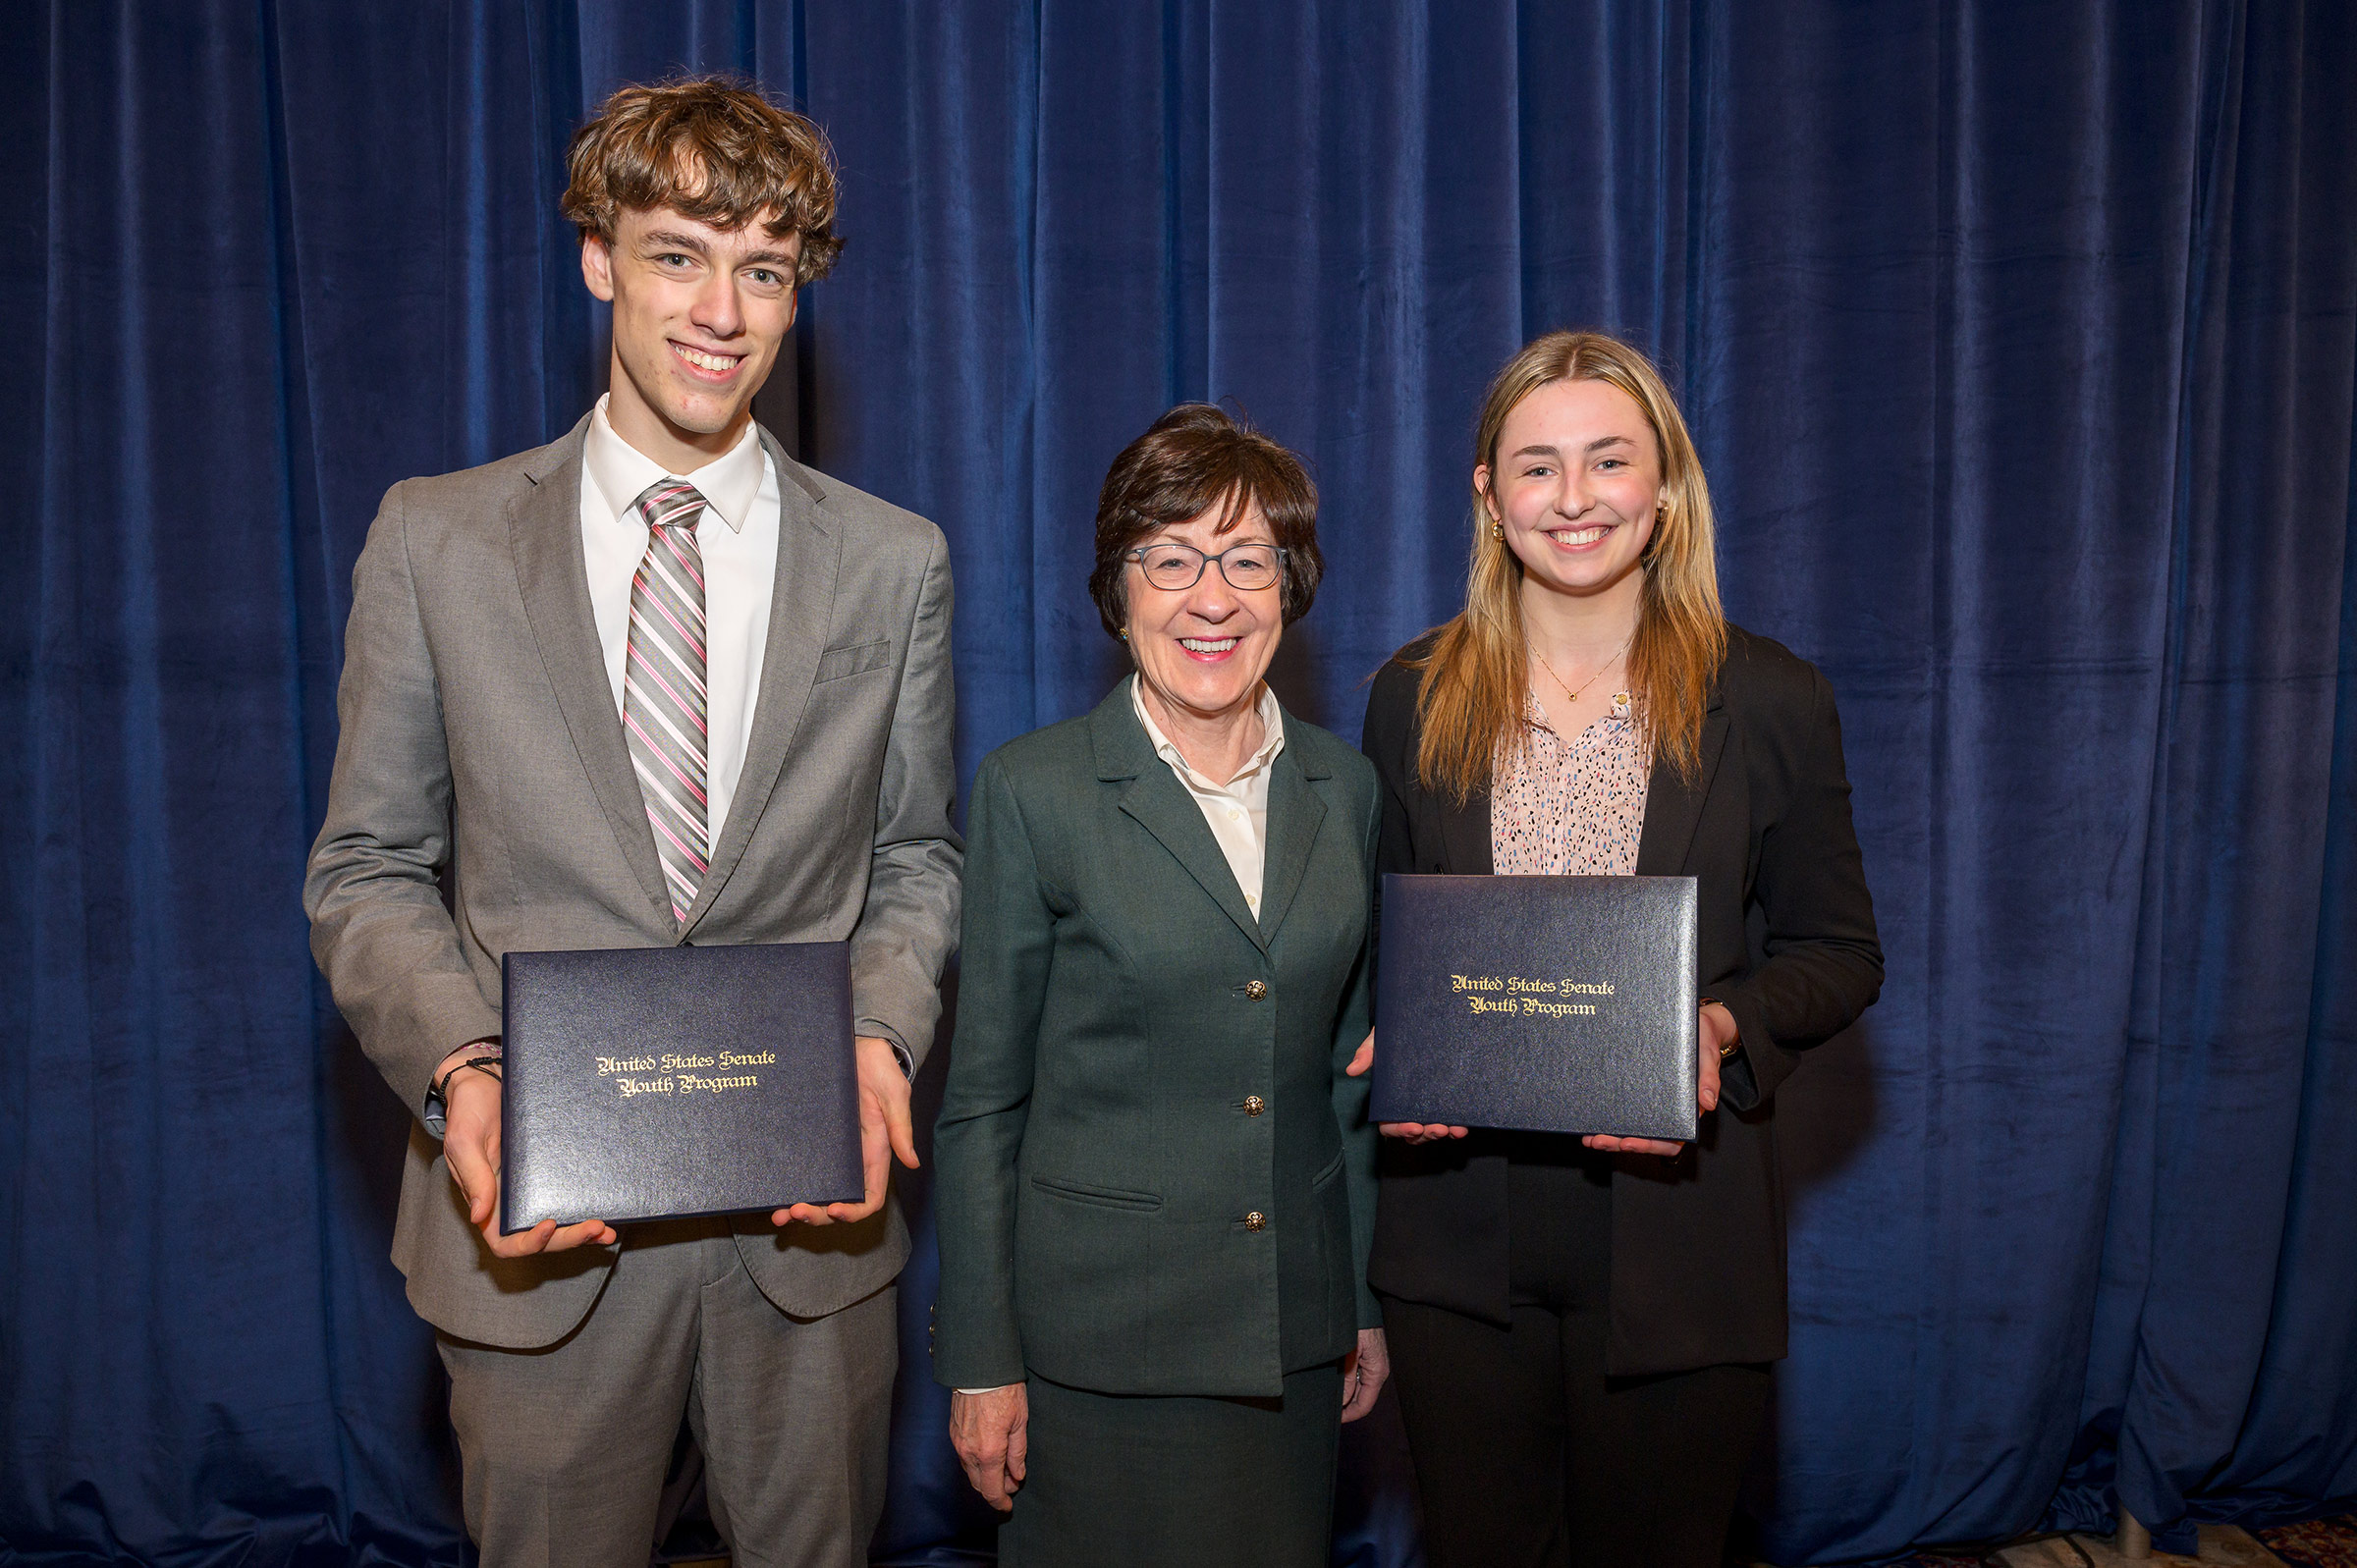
663 687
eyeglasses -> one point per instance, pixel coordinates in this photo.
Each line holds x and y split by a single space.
1177 567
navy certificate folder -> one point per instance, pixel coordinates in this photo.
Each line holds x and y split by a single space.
1538 1003
645 1083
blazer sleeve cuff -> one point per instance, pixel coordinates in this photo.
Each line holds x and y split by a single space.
894 1005
449 1015
1748 1077
964 1364
878 1029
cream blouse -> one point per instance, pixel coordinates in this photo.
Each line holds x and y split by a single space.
1569 806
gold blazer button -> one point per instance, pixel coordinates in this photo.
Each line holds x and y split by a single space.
1256 989
1255 1220
1254 1104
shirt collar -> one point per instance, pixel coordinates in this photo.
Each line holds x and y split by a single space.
1272 738
729 483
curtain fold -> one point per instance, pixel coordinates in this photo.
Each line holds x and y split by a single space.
2020 342
2242 1023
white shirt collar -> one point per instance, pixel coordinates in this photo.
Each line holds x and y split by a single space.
1272 740
729 483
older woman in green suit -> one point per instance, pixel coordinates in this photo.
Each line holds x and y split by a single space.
1156 1180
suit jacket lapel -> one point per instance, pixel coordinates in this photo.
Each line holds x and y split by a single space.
1155 798
1296 811
544 532
1673 808
801 607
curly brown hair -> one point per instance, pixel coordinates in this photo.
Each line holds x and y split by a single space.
711 148
1190 460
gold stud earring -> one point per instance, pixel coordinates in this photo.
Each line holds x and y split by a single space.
1497 529
1122 634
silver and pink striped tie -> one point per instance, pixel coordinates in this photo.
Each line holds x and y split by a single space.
663 687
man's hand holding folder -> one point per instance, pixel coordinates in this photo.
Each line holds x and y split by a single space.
471 1146
886 1129
573 1016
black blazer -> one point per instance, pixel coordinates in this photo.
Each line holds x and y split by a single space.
1787 943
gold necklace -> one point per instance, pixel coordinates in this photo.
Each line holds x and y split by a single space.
1592 679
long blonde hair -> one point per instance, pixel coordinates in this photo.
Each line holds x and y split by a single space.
1476 675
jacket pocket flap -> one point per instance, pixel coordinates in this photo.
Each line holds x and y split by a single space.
1103 1197
857 660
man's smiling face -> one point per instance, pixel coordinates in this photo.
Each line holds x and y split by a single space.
699 313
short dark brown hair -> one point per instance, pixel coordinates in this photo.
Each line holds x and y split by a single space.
1190 460
713 149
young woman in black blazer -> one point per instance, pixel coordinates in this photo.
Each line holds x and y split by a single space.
1580 1328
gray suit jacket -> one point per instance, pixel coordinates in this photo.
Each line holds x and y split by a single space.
480 745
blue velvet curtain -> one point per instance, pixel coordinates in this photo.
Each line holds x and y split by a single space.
2020 341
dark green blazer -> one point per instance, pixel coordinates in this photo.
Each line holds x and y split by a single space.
1151 1175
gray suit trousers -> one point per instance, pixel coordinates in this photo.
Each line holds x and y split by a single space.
565 1446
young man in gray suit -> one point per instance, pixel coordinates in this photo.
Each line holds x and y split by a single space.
655 682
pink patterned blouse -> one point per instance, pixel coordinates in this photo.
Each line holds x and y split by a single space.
1569 807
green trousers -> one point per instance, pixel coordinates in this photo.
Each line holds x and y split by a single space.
1148 1481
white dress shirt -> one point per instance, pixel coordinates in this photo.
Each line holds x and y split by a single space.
741 567
1237 811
